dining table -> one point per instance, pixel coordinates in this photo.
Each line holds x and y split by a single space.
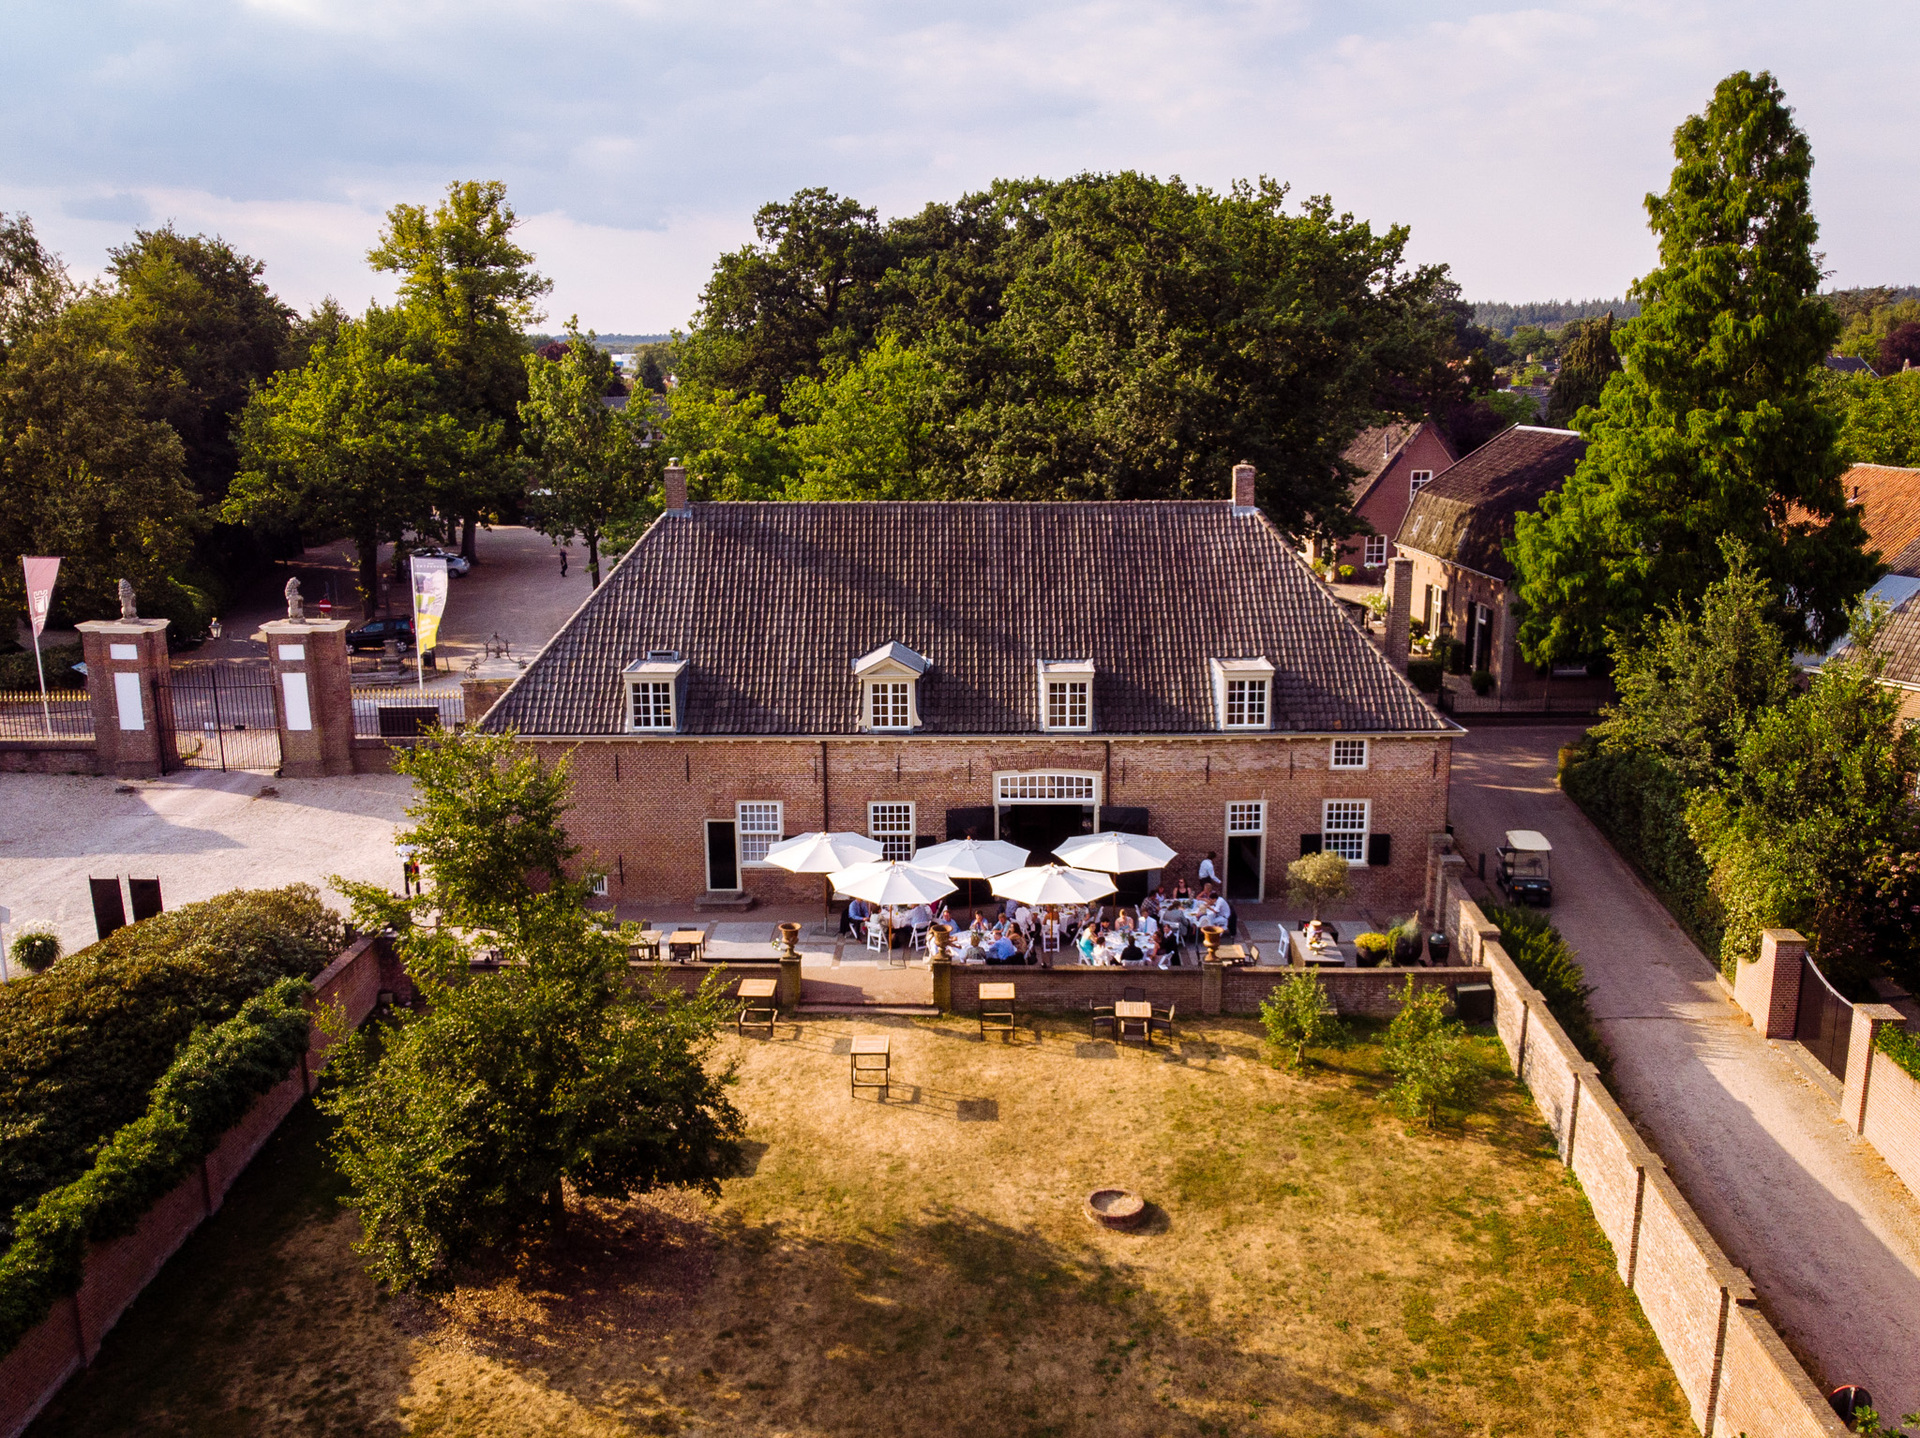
1323 954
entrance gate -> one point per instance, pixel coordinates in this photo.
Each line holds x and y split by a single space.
1824 1023
223 717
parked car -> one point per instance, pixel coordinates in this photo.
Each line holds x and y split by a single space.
1524 861
457 563
375 633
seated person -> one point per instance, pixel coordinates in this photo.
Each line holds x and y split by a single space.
1150 906
1223 915
1001 950
1085 944
1131 955
919 916
1148 925
854 921
1180 889
1169 953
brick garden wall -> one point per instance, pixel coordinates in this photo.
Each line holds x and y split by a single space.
1892 1118
1071 988
117 1271
641 806
48 756
1737 1375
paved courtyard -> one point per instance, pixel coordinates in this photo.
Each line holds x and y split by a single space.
1755 1141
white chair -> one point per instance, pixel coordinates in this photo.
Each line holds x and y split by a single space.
919 939
1050 938
877 934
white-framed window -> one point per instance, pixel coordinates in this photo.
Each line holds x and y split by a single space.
1067 704
1343 828
1046 788
757 824
1247 703
650 704
1418 480
1376 551
889 704
1247 816
1350 753
599 886
891 825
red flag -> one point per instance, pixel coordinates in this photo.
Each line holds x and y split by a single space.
40 576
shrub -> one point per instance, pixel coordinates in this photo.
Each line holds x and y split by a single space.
35 950
1314 880
1426 1052
1482 681
1900 1046
1406 936
1545 961
1346 574
1298 1017
1372 949
205 1091
1417 629
1425 674
18 672
82 1045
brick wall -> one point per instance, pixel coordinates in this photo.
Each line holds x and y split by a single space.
1768 987
117 1271
1737 1375
1071 988
641 806
1892 1118
48 756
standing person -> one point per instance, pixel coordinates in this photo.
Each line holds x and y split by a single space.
1207 872
563 563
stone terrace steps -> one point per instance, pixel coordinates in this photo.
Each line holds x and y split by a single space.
918 1011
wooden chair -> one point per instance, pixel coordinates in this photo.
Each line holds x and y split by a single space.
1102 1014
1161 1023
1133 995
996 1010
878 1053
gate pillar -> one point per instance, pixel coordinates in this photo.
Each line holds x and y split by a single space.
127 685
1768 987
313 696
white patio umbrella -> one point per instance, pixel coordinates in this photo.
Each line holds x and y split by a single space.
1113 853
1052 885
824 853
893 884
971 859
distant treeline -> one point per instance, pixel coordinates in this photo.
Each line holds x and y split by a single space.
1504 319
606 342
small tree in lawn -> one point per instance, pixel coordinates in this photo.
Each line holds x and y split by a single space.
1298 1017
464 1127
1318 880
1426 1052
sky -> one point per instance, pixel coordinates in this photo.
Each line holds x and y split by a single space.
637 138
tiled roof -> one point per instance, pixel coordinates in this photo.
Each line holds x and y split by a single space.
1889 501
770 604
1373 452
1466 514
1849 364
1898 640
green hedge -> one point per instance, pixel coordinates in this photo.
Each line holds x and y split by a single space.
1425 674
1642 808
1900 1046
208 1088
82 1045
1545 960
19 672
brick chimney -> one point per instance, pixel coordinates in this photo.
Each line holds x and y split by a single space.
1399 610
1243 488
675 496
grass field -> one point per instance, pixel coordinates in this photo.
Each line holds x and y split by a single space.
922 1265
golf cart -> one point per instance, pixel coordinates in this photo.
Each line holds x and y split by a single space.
1524 876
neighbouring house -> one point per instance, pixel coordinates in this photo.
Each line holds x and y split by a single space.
1851 364
1889 500
1395 461
1023 671
1456 532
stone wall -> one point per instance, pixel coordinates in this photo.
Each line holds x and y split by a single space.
1891 1117
117 1271
48 756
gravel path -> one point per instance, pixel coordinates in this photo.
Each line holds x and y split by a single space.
1829 1235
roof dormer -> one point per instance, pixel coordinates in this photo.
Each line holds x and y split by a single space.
656 692
1066 695
890 687
1243 693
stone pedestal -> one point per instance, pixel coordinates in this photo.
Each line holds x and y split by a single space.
313 696
789 994
128 676
941 965
1399 611
1769 987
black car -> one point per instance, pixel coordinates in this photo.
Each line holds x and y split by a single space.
375 633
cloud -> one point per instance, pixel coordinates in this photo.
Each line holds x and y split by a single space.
637 137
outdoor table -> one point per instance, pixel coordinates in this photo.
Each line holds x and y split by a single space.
998 1019
692 941
757 1006
1125 1013
1305 954
871 1047
644 946
1230 953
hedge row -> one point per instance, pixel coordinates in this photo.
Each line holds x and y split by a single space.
1900 1046
208 1088
1642 808
1545 960
82 1045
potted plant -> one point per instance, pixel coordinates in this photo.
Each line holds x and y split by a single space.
1372 949
35 950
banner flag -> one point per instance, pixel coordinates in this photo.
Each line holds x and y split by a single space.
429 601
41 574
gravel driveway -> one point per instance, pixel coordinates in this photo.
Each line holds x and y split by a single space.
1829 1235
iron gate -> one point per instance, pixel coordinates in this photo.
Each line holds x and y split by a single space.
1824 1022
223 717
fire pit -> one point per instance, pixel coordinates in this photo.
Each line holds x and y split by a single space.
1116 1208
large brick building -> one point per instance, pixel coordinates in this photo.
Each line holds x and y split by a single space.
920 671
1395 462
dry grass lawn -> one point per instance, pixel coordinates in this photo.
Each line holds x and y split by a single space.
921 1265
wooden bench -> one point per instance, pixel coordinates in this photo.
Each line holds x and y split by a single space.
999 1020
757 1006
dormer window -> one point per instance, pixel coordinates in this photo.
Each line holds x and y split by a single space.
1243 693
655 687
1066 694
890 687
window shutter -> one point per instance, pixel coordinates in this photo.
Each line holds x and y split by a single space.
1309 844
1379 850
